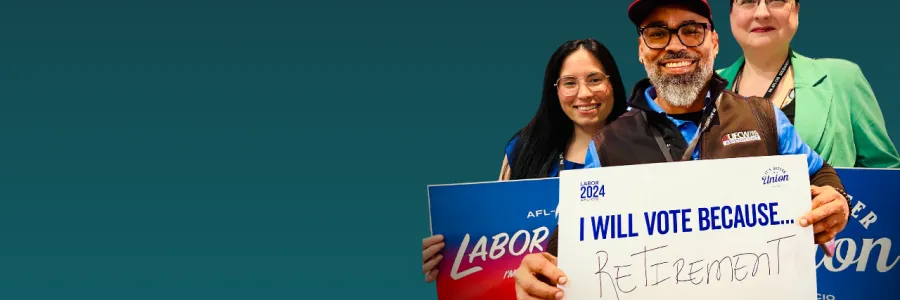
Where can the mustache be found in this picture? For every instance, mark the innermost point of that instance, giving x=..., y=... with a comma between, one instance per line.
x=683, y=54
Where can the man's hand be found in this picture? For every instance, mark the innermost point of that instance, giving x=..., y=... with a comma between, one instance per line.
x=529, y=287
x=828, y=215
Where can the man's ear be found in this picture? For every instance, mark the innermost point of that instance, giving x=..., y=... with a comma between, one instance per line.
x=640, y=51
x=715, y=43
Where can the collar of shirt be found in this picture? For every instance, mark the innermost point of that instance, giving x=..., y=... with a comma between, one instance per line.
x=650, y=95
x=687, y=128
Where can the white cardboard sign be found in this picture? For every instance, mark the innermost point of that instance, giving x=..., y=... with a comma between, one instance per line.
x=709, y=229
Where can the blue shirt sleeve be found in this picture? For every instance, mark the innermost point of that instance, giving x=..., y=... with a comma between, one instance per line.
x=789, y=142
x=592, y=159
x=509, y=151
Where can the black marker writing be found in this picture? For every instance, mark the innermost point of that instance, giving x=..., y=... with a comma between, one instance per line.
x=696, y=271
x=645, y=261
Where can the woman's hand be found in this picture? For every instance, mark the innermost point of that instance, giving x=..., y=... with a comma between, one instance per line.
x=430, y=257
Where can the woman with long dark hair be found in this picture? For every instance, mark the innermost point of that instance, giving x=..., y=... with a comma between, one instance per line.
x=582, y=92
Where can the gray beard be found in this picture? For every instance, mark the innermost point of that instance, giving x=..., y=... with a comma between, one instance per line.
x=683, y=89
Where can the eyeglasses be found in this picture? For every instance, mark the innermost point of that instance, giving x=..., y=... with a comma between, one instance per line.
x=569, y=86
x=748, y=5
x=658, y=37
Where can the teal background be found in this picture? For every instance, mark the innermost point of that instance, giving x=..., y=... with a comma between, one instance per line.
x=279, y=149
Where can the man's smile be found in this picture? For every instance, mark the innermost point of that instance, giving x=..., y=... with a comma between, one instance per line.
x=678, y=66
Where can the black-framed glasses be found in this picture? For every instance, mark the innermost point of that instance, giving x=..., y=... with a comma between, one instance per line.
x=748, y=5
x=658, y=36
x=569, y=85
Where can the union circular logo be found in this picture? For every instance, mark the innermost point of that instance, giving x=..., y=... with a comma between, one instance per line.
x=774, y=175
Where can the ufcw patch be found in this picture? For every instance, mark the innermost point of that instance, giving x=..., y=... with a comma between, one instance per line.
x=740, y=137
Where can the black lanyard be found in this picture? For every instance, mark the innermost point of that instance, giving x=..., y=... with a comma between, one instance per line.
x=775, y=82
x=688, y=154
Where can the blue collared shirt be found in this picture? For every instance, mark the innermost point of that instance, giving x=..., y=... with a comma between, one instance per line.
x=789, y=141
x=688, y=129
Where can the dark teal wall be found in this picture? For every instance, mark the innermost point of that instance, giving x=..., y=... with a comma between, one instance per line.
x=279, y=150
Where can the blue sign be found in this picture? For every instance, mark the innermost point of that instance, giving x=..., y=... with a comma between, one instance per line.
x=863, y=264
x=488, y=228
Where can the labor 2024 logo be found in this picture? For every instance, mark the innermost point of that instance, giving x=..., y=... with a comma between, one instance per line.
x=774, y=176
x=592, y=190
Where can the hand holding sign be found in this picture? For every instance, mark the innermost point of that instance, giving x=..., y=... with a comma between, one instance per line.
x=830, y=213
x=431, y=246
x=528, y=286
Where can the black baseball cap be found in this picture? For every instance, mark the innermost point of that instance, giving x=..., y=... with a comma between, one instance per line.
x=640, y=9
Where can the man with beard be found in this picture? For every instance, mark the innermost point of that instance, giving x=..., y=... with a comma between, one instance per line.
x=683, y=112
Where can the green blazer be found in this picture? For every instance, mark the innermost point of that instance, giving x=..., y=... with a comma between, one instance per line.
x=836, y=112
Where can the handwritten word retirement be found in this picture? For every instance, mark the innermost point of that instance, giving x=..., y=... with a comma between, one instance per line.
x=653, y=267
